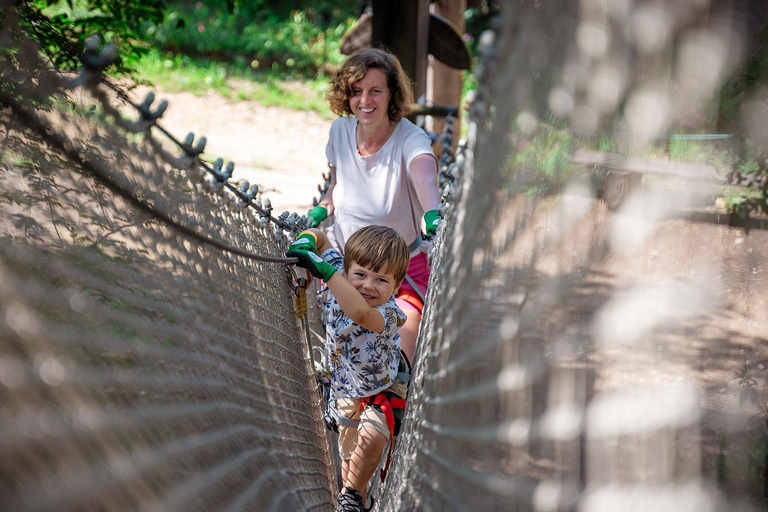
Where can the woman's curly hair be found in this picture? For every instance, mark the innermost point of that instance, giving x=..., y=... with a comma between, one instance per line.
x=354, y=69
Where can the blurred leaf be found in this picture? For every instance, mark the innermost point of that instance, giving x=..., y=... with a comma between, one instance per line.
x=25, y=222
x=763, y=202
x=62, y=38
x=748, y=394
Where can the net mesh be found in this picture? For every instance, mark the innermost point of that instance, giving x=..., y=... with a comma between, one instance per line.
x=141, y=368
x=571, y=356
x=575, y=356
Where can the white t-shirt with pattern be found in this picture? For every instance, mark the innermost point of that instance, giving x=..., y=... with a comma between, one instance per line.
x=362, y=362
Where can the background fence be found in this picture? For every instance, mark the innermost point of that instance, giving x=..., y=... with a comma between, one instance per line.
x=571, y=356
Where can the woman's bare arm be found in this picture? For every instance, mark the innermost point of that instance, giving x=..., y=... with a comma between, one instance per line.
x=423, y=171
x=327, y=199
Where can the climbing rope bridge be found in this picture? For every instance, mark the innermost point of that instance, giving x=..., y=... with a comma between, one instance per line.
x=151, y=357
x=571, y=357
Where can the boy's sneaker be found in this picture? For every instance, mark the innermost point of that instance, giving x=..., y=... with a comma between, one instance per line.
x=350, y=501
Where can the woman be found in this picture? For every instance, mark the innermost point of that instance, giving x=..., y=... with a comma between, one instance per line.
x=383, y=169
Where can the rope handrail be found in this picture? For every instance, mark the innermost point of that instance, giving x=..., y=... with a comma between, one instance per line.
x=91, y=75
x=94, y=61
x=243, y=193
x=61, y=144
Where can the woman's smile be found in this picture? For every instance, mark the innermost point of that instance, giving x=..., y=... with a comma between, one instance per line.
x=370, y=98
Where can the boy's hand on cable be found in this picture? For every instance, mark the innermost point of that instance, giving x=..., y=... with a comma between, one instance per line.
x=317, y=215
x=312, y=262
x=431, y=222
x=306, y=241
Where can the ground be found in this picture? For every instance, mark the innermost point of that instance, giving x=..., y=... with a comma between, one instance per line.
x=280, y=149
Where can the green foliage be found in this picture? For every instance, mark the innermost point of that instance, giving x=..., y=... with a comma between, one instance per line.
x=61, y=27
x=297, y=42
x=542, y=159
x=754, y=393
x=750, y=393
x=469, y=83
x=710, y=153
x=607, y=144
x=743, y=203
x=477, y=20
x=324, y=12
x=693, y=151
x=757, y=469
x=721, y=462
x=740, y=202
x=741, y=86
x=294, y=38
x=176, y=73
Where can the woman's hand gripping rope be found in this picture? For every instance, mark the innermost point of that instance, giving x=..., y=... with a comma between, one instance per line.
x=317, y=214
x=431, y=222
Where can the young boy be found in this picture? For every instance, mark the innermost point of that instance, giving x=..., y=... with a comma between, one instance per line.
x=362, y=342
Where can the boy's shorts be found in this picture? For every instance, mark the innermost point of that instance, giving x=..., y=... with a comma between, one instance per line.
x=369, y=417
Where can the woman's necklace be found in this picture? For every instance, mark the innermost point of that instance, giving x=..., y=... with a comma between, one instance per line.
x=367, y=149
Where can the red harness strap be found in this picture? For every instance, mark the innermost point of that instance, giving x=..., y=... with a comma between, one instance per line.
x=386, y=405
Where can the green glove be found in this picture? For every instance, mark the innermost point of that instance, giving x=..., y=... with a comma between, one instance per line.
x=318, y=214
x=304, y=242
x=314, y=263
x=431, y=221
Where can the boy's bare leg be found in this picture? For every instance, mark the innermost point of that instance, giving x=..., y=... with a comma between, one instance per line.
x=344, y=471
x=365, y=459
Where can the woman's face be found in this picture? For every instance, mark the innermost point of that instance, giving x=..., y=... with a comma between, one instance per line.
x=370, y=98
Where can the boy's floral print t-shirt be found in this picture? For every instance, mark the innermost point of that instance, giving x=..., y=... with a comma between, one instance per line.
x=362, y=362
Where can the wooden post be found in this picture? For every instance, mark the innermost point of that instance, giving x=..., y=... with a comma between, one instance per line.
x=402, y=27
x=444, y=83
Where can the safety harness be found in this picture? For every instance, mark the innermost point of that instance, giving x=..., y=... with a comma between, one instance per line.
x=387, y=403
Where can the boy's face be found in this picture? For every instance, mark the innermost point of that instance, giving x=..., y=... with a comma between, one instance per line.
x=375, y=287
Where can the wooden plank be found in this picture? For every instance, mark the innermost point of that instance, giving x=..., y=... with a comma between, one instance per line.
x=446, y=44
x=402, y=27
x=666, y=167
x=445, y=83
x=444, y=41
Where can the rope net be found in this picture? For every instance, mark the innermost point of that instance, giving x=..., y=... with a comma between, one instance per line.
x=572, y=356
x=141, y=367
x=576, y=357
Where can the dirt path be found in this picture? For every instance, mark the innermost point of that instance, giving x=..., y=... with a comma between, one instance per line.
x=280, y=149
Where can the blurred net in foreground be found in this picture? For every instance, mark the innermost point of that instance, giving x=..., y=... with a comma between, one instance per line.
x=575, y=357
x=572, y=357
x=140, y=368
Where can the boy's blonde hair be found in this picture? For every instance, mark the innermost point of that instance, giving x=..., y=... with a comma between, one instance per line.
x=376, y=247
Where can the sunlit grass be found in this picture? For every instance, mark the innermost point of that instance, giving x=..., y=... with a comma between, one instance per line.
x=178, y=73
